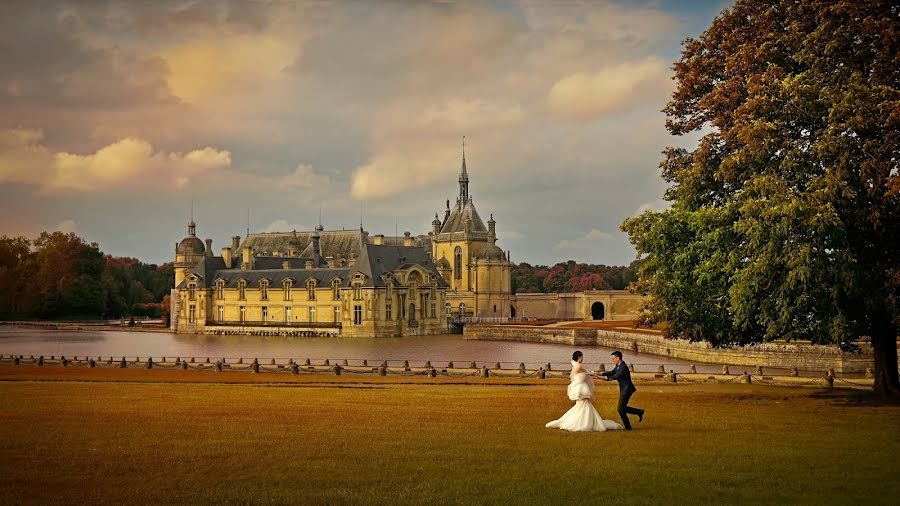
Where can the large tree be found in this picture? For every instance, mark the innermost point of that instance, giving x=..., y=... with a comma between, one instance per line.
x=784, y=218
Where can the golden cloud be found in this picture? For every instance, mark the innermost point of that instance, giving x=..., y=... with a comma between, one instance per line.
x=613, y=89
x=129, y=162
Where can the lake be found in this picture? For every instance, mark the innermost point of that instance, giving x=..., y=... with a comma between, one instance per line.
x=443, y=348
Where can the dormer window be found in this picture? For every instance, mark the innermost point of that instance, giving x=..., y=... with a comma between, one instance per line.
x=311, y=289
x=335, y=289
x=264, y=289
x=286, y=286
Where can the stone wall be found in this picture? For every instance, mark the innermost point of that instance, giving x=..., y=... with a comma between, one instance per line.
x=804, y=357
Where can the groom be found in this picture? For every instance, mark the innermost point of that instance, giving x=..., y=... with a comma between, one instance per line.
x=626, y=388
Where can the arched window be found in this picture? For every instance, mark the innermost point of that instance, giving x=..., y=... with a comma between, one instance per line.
x=286, y=285
x=242, y=286
x=220, y=289
x=335, y=289
x=414, y=279
x=457, y=263
x=311, y=289
x=263, y=289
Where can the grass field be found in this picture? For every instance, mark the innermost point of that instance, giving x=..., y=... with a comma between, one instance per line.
x=161, y=436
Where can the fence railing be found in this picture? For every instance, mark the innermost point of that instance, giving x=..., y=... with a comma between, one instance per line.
x=274, y=323
x=467, y=368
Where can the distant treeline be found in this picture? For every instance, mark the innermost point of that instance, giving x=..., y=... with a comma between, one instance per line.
x=59, y=275
x=570, y=276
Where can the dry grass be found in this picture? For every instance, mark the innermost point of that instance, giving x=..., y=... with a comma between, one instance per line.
x=135, y=436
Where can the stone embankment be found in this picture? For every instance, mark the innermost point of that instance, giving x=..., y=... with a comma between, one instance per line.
x=777, y=355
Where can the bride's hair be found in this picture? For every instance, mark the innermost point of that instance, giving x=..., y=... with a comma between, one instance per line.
x=577, y=355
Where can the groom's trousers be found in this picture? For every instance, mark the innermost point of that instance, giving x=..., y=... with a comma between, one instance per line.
x=625, y=409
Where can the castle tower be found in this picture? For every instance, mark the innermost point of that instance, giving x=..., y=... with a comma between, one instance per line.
x=188, y=252
x=468, y=258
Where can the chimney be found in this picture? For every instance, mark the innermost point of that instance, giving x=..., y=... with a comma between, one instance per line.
x=378, y=240
x=351, y=262
x=331, y=263
x=446, y=213
x=316, y=247
x=247, y=263
x=235, y=243
x=209, y=248
x=408, y=241
x=226, y=256
x=285, y=265
x=308, y=264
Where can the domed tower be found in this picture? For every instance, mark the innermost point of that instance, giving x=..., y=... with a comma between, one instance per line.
x=492, y=283
x=188, y=253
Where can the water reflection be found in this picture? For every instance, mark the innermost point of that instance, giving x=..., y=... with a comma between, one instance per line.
x=438, y=349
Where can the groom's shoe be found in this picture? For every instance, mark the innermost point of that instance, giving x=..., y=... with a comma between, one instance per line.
x=641, y=416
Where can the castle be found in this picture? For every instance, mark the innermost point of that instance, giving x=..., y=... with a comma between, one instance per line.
x=346, y=283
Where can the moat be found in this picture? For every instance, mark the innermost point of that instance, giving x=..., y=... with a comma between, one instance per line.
x=30, y=341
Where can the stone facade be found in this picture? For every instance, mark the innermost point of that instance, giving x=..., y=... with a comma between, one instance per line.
x=362, y=290
x=589, y=305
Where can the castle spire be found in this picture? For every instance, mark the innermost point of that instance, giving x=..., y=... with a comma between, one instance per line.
x=463, y=176
x=192, y=227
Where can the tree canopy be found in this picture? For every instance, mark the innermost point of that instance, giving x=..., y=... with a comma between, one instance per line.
x=59, y=275
x=569, y=276
x=784, y=218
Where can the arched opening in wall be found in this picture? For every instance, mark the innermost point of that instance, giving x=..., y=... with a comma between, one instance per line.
x=512, y=311
x=598, y=311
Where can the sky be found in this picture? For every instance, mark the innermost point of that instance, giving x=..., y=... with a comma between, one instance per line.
x=116, y=118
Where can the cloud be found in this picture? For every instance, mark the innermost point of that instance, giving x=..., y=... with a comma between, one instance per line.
x=612, y=89
x=656, y=205
x=304, y=178
x=283, y=226
x=67, y=226
x=129, y=162
x=594, y=236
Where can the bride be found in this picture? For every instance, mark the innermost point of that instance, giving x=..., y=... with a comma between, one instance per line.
x=582, y=417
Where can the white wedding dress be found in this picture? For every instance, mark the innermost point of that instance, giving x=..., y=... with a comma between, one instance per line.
x=582, y=417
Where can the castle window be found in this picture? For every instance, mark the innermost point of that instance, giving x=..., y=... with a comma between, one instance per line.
x=286, y=285
x=221, y=313
x=263, y=289
x=335, y=289
x=336, y=314
x=192, y=314
x=242, y=287
x=265, y=313
x=287, y=314
x=192, y=291
x=243, y=314
x=312, y=314
x=220, y=289
x=357, y=290
x=311, y=289
x=433, y=310
x=387, y=311
x=457, y=263
x=357, y=314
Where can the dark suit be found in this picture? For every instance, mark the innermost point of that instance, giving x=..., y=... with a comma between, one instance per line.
x=622, y=374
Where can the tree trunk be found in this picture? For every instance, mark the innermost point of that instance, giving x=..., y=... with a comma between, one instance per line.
x=884, y=343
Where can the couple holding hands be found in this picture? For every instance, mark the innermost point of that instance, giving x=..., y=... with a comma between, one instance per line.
x=583, y=417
